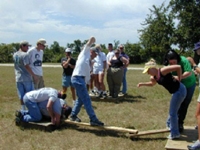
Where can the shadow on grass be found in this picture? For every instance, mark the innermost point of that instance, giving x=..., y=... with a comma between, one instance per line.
x=50, y=128
x=148, y=139
x=127, y=98
x=93, y=130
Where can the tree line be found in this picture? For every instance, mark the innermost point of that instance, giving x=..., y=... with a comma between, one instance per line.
x=173, y=26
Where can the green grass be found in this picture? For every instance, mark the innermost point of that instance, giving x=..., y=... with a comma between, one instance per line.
x=144, y=108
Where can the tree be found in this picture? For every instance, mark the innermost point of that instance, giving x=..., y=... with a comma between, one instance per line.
x=186, y=13
x=157, y=35
x=7, y=51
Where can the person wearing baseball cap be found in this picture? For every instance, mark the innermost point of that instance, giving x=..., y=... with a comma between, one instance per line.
x=23, y=73
x=196, y=144
x=68, y=63
x=36, y=58
x=164, y=77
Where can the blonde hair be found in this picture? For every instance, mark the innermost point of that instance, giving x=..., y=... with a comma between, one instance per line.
x=151, y=62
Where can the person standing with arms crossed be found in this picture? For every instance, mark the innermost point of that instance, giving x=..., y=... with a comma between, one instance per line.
x=36, y=58
x=68, y=64
x=124, y=83
x=80, y=77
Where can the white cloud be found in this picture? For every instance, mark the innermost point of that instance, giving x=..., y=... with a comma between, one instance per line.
x=65, y=20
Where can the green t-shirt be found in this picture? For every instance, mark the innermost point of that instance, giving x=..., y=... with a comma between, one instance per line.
x=186, y=67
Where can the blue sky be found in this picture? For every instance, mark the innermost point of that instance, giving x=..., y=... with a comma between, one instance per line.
x=67, y=20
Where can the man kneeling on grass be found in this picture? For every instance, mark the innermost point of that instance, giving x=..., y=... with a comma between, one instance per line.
x=36, y=101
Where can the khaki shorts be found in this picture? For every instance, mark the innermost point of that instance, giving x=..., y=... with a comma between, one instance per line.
x=40, y=83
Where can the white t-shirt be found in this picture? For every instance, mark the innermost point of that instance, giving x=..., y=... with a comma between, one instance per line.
x=99, y=61
x=109, y=57
x=42, y=95
x=36, y=58
x=82, y=67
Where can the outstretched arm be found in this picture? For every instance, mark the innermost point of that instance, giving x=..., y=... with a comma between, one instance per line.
x=152, y=82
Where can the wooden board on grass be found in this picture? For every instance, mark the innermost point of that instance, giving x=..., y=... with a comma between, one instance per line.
x=43, y=125
x=149, y=132
x=111, y=128
x=188, y=136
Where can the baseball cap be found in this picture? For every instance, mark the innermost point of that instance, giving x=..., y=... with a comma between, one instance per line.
x=24, y=43
x=68, y=50
x=148, y=65
x=196, y=46
x=94, y=49
x=42, y=41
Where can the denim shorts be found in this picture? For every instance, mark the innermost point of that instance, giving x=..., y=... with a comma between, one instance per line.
x=66, y=81
x=23, y=88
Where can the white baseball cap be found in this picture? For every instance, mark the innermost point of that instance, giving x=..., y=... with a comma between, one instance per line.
x=68, y=50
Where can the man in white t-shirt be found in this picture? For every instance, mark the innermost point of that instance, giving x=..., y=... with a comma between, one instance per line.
x=36, y=58
x=31, y=100
x=80, y=77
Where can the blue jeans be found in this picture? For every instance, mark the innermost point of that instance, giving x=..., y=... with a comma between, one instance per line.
x=184, y=106
x=175, y=103
x=34, y=113
x=79, y=84
x=124, y=83
x=23, y=88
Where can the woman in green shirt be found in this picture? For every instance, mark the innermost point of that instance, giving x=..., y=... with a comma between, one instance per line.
x=188, y=79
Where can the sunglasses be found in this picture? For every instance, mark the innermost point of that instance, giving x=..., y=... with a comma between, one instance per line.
x=116, y=53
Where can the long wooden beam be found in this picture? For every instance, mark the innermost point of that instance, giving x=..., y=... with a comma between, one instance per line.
x=148, y=132
x=112, y=128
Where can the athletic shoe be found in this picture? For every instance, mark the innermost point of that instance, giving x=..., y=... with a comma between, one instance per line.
x=74, y=118
x=195, y=146
x=104, y=95
x=96, y=123
x=173, y=137
x=18, y=118
x=18, y=114
x=100, y=95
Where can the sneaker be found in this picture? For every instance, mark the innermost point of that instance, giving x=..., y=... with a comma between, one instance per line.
x=195, y=146
x=96, y=123
x=173, y=137
x=104, y=95
x=74, y=118
x=100, y=95
x=18, y=114
x=92, y=93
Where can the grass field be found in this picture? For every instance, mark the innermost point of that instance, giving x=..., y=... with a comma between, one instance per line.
x=144, y=108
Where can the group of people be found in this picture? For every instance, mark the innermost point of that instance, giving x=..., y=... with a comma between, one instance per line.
x=39, y=100
x=178, y=77
x=113, y=65
x=42, y=101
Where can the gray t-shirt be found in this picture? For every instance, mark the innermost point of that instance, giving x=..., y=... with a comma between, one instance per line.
x=21, y=59
x=57, y=107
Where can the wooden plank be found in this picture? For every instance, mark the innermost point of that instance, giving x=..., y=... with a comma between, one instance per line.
x=188, y=136
x=111, y=128
x=149, y=132
x=43, y=125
